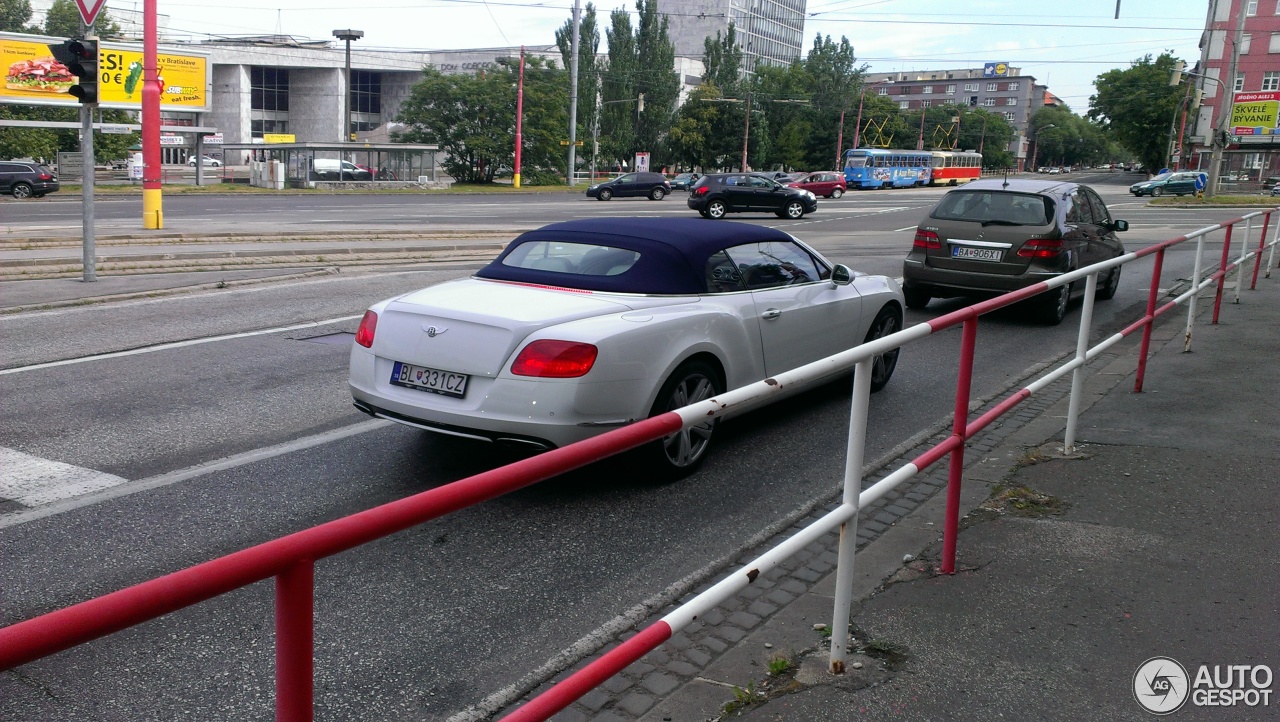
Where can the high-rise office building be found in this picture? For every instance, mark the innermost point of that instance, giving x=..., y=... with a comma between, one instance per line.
x=770, y=32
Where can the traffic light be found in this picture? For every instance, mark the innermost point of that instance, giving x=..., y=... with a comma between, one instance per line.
x=1176, y=76
x=81, y=59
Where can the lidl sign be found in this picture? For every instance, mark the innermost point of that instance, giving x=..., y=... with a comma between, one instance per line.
x=1256, y=114
x=187, y=75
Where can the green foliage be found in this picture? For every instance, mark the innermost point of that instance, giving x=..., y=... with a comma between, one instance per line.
x=63, y=21
x=472, y=118
x=618, y=91
x=1072, y=140
x=722, y=59
x=1137, y=107
x=14, y=16
x=44, y=143
x=778, y=665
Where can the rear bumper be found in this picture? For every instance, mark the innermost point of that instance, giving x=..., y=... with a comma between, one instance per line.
x=945, y=283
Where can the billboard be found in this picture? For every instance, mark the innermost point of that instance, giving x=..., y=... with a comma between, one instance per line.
x=1256, y=114
x=33, y=77
x=995, y=70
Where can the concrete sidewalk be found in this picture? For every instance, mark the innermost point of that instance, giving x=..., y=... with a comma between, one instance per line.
x=1158, y=540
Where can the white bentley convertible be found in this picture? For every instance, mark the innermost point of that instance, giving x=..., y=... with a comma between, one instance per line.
x=584, y=326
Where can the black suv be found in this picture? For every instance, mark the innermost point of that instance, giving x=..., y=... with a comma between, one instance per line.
x=21, y=179
x=653, y=186
x=721, y=193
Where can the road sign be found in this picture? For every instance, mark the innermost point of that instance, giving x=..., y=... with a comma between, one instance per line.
x=577, y=143
x=111, y=129
x=89, y=9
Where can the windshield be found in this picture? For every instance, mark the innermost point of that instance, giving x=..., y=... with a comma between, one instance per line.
x=1163, y=176
x=856, y=161
x=995, y=207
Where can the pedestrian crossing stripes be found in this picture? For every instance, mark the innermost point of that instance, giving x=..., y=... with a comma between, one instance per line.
x=32, y=481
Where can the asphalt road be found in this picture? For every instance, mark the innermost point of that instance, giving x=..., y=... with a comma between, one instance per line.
x=240, y=432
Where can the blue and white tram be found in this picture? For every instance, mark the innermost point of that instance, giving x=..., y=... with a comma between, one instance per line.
x=887, y=168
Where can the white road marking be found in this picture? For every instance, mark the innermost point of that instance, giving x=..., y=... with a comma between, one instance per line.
x=33, y=481
x=908, y=228
x=177, y=344
x=125, y=487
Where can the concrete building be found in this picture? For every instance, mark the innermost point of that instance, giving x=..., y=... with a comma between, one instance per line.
x=995, y=87
x=1256, y=153
x=770, y=32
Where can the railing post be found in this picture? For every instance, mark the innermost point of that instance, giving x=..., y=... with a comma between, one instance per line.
x=1191, y=302
x=1222, y=272
x=955, y=471
x=853, y=460
x=295, y=642
x=1244, y=251
x=1271, y=255
x=1150, y=320
x=1077, y=374
x=1262, y=243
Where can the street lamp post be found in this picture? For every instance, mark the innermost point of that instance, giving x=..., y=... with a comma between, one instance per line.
x=347, y=36
x=515, y=166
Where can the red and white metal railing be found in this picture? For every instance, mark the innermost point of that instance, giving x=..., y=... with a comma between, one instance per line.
x=844, y=517
x=291, y=559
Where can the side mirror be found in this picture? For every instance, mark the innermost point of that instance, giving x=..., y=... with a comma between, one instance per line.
x=1120, y=226
x=841, y=275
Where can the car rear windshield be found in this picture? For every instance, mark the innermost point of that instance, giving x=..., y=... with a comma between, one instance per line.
x=995, y=207
x=567, y=257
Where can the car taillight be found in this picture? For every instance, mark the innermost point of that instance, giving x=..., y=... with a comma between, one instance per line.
x=368, y=326
x=555, y=359
x=45, y=177
x=926, y=240
x=701, y=191
x=1040, y=248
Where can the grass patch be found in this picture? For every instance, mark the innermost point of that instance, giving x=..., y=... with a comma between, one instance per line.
x=779, y=665
x=1219, y=200
x=744, y=697
x=1023, y=501
x=241, y=189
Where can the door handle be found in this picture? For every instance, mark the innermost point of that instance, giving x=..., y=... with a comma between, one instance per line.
x=771, y=314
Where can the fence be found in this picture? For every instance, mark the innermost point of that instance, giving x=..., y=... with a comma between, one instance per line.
x=290, y=559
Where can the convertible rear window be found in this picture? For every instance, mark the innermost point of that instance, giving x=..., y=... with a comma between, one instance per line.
x=991, y=206
x=567, y=257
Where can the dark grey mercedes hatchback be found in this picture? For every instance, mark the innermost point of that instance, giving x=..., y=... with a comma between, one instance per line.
x=994, y=236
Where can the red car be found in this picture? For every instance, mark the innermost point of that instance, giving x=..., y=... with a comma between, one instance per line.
x=828, y=184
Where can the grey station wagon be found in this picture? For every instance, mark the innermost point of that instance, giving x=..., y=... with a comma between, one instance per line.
x=992, y=236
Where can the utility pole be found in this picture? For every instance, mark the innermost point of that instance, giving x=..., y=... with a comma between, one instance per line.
x=746, y=133
x=515, y=168
x=857, y=124
x=1227, y=105
x=573, y=93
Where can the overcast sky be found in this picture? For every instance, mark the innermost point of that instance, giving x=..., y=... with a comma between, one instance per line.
x=1063, y=44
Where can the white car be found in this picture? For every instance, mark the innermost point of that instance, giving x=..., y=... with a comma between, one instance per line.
x=204, y=160
x=585, y=326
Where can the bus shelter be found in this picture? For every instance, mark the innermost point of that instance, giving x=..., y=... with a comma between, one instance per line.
x=310, y=163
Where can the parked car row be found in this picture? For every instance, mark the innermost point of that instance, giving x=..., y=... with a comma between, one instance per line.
x=789, y=195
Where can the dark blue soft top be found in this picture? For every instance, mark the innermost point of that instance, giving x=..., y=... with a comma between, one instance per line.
x=673, y=252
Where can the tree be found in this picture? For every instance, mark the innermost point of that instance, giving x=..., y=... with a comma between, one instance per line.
x=472, y=119
x=1137, y=106
x=14, y=16
x=617, y=89
x=656, y=78
x=63, y=21
x=722, y=61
